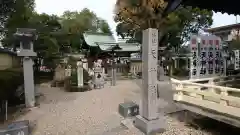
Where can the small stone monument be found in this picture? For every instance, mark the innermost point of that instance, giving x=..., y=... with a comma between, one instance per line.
x=59, y=73
x=80, y=73
x=68, y=71
x=98, y=75
x=26, y=38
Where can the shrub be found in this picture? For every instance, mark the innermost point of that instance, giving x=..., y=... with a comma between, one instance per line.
x=180, y=72
x=86, y=76
x=10, y=80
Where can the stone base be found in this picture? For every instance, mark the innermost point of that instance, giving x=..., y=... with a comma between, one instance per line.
x=150, y=127
x=128, y=109
x=128, y=122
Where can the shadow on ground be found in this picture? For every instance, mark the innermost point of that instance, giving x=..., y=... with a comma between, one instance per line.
x=216, y=127
x=203, y=123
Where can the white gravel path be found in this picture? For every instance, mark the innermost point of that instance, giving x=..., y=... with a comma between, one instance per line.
x=91, y=113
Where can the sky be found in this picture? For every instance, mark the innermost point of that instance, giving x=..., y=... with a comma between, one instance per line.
x=105, y=8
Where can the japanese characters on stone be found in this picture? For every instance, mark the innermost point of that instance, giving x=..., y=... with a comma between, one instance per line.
x=194, y=57
x=207, y=59
x=211, y=58
x=236, y=60
x=219, y=60
x=153, y=57
x=203, y=56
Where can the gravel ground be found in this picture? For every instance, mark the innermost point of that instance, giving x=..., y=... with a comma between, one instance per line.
x=94, y=112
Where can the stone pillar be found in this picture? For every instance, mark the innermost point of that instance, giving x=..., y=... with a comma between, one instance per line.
x=113, y=73
x=175, y=63
x=28, y=82
x=186, y=59
x=148, y=121
x=80, y=73
x=134, y=70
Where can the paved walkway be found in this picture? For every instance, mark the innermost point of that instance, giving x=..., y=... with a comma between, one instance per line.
x=93, y=112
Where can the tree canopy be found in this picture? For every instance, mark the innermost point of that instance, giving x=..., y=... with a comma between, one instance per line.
x=17, y=9
x=54, y=32
x=74, y=24
x=134, y=16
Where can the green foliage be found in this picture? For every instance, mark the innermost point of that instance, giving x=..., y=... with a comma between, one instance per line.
x=16, y=17
x=104, y=27
x=10, y=80
x=234, y=45
x=24, y=17
x=11, y=8
x=76, y=23
x=180, y=72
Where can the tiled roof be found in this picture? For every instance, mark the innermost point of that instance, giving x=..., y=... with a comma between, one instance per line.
x=132, y=47
x=93, y=38
x=226, y=27
x=125, y=47
x=105, y=42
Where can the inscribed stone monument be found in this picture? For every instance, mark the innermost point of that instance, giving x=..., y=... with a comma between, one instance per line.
x=148, y=121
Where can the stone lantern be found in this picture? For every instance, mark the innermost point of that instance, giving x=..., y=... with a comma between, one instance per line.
x=26, y=37
x=113, y=49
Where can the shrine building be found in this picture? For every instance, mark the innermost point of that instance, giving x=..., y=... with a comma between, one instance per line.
x=105, y=47
x=227, y=33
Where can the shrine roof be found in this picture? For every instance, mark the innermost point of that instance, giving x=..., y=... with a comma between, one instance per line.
x=223, y=28
x=92, y=39
x=105, y=42
x=224, y=6
x=131, y=47
x=125, y=47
